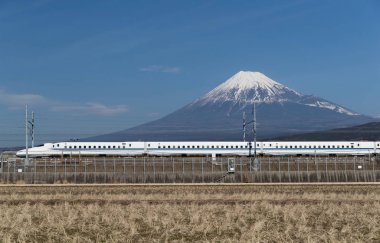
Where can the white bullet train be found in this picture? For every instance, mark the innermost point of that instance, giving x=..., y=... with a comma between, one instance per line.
x=202, y=148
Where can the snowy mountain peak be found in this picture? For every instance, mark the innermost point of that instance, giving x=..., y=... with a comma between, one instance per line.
x=249, y=80
x=246, y=87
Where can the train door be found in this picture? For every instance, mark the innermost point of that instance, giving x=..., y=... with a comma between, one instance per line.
x=145, y=147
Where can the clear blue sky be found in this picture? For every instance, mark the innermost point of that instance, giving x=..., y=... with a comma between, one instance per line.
x=92, y=67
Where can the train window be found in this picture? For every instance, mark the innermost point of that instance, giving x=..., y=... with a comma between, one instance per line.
x=148, y=145
x=53, y=146
x=203, y=146
x=276, y=146
x=104, y=147
x=118, y=146
x=123, y=146
x=328, y=146
x=246, y=146
x=208, y=146
x=164, y=146
x=217, y=146
x=159, y=146
x=84, y=146
x=130, y=145
x=75, y=147
x=352, y=146
x=113, y=146
x=281, y=146
x=99, y=146
x=178, y=146
x=212, y=146
x=169, y=146
x=183, y=146
x=295, y=146
x=65, y=146
x=358, y=145
x=241, y=146
x=290, y=146
x=270, y=145
x=286, y=146
x=70, y=147
x=109, y=147
x=58, y=145
x=333, y=146
x=193, y=146
x=324, y=146
x=197, y=146
x=80, y=147
x=223, y=146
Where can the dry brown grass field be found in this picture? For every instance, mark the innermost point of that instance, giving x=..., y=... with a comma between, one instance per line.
x=191, y=213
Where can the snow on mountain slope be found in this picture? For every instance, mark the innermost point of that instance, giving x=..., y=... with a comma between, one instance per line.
x=321, y=103
x=245, y=87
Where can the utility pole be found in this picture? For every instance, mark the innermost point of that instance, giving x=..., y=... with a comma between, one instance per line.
x=254, y=128
x=244, y=124
x=31, y=128
x=26, y=137
x=255, y=161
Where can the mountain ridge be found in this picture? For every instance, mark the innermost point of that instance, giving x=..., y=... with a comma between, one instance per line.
x=364, y=132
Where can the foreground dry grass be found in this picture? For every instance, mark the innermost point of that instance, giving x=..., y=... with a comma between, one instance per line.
x=232, y=213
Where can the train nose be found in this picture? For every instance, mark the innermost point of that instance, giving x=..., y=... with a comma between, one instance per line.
x=21, y=153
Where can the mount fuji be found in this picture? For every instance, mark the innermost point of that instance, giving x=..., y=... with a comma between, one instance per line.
x=218, y=114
